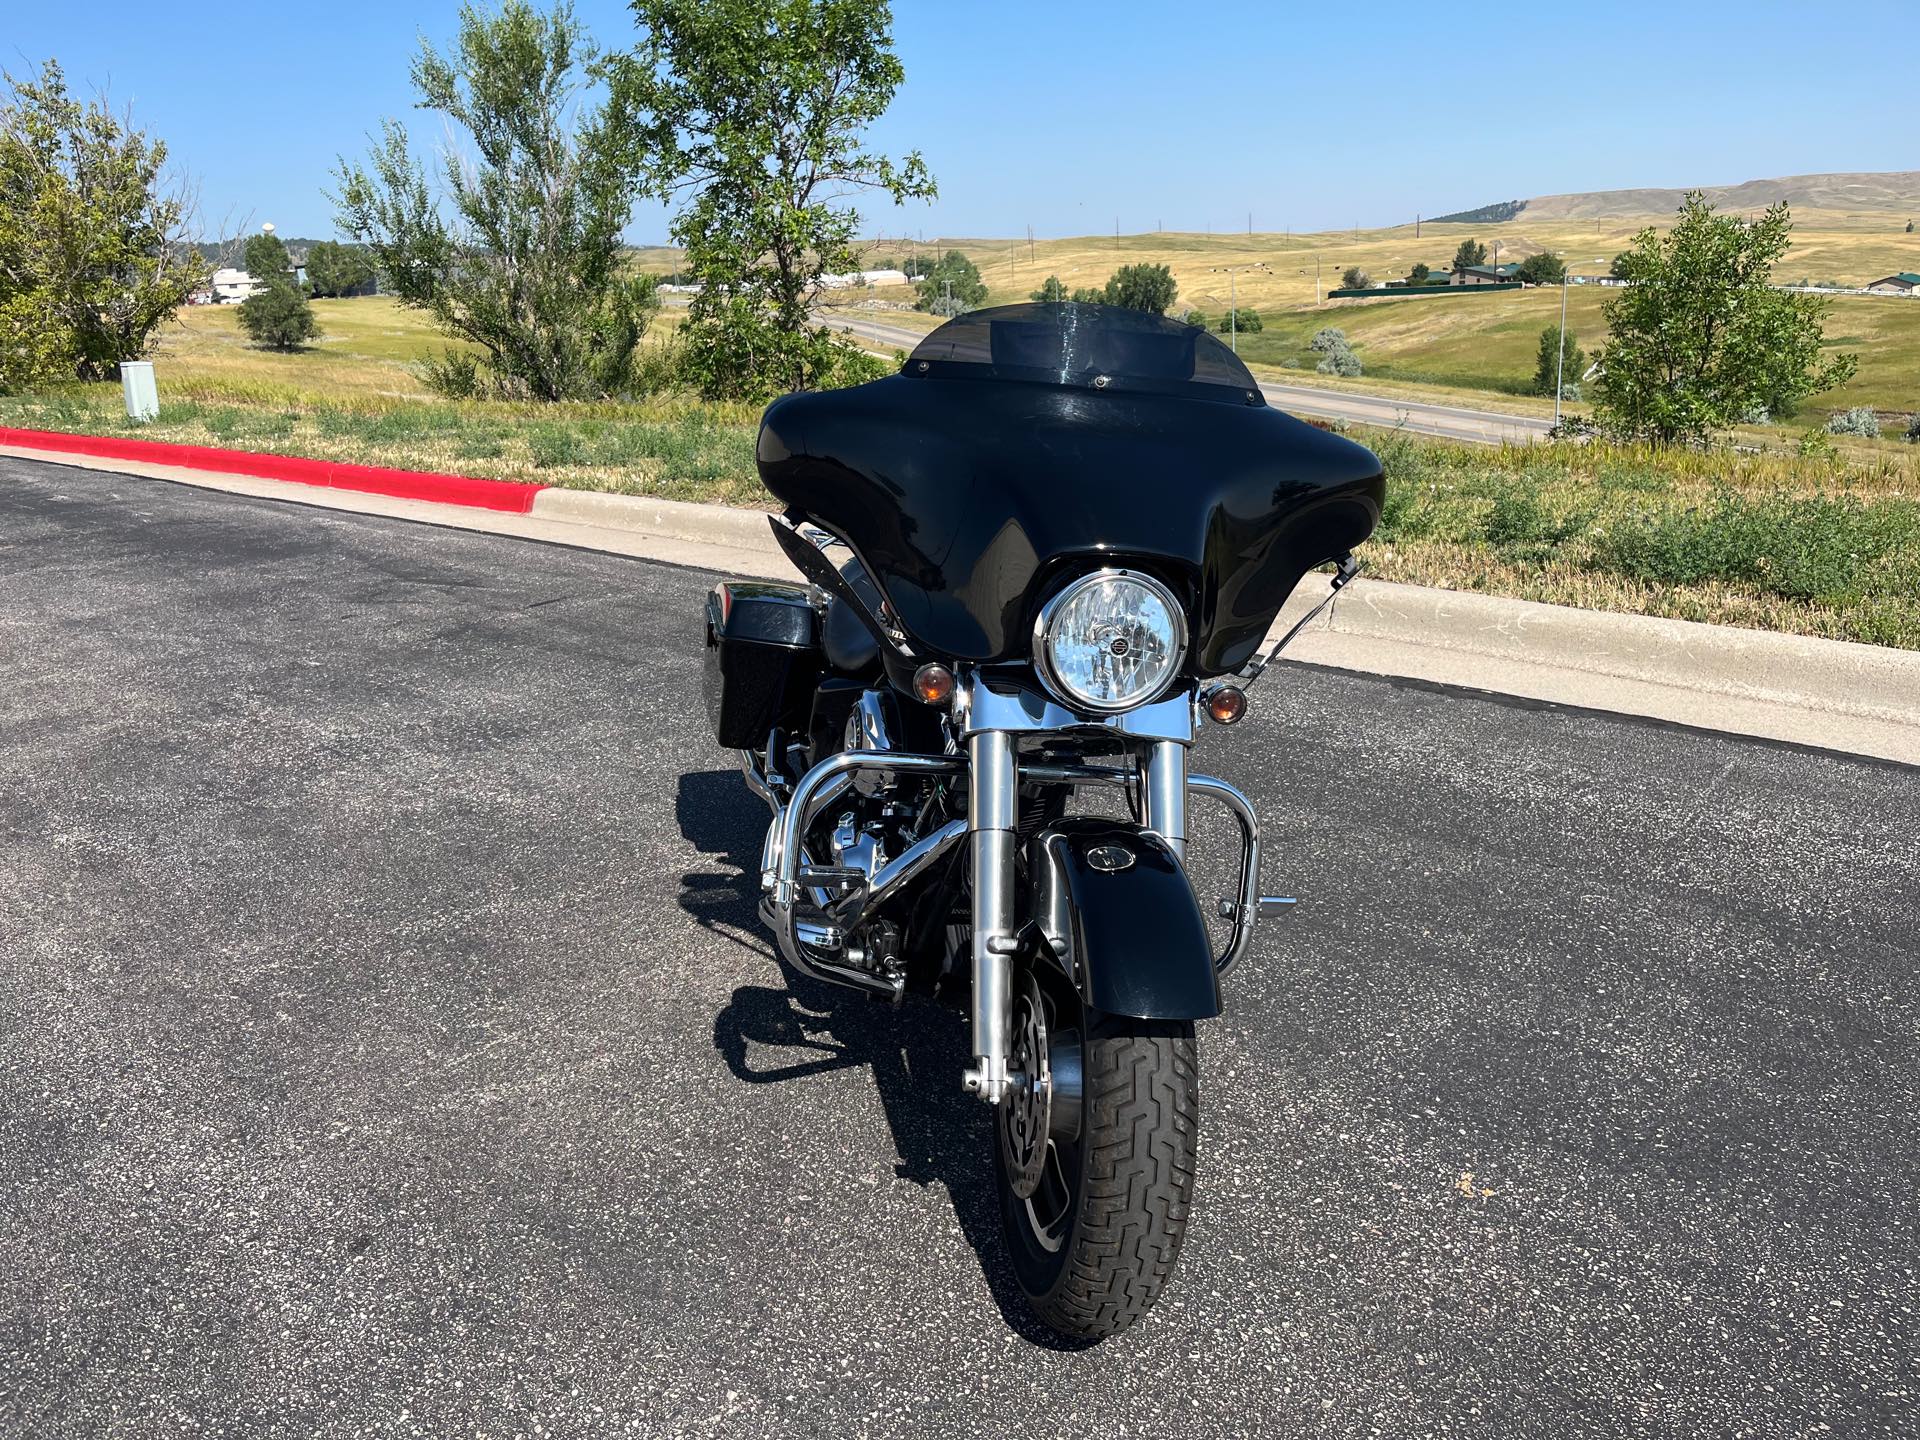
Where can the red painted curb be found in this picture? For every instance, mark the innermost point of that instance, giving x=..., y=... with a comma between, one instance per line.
x=510, y=496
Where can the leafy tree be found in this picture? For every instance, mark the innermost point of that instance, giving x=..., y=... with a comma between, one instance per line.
x=1354, y=278
x=94, y=247
x=1419, y=274
x=1052, y=291
x=1142, y=287
x=1242, y=320
x=1196, y=318
x=953, y=286
x=279, y=316
x=529, y=265
x=334, y=269
x=1470, y=253
x=1699, y=336
x=1546, y=268
x=1913, y=428
x=1617, y=268
x=266, y=258
x=1088, y=295
x=1551, y=368
x=761, y=107
x=1328, y=337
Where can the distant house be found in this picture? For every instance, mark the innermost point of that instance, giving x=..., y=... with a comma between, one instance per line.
x=1905, y=283
x=231, y=286
x=1487, y=275
x=860, y=279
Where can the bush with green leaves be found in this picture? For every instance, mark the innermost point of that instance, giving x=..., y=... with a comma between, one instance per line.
x=279, y=317
x=1339, y=361
x=1420, y=274
x=1142, y=287
x=1196, y=318
x=1546, y=268
x=1354, y=278
x=1913, y=429
x=334, y=270
x=1241, y=321
x=1052, y=291
x=1088, y=295
x=952, y=287
x=1860, y=420
x=1328, y=337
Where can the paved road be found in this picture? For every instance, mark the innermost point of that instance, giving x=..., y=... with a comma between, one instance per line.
x=1453, y=422
x=387, y=1048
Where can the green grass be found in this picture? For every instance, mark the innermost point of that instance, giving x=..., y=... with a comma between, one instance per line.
x=1821, y=544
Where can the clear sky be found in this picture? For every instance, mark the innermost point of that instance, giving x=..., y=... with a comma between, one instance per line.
x=1070, y=116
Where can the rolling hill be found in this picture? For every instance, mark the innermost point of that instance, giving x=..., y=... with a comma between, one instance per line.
x=1891, y=190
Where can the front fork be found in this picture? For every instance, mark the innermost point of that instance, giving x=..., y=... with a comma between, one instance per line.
x=993, y=813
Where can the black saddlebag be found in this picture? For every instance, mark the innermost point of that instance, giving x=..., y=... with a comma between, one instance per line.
x=763, y=661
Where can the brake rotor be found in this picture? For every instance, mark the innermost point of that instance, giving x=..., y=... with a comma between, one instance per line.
x=1027, y=1111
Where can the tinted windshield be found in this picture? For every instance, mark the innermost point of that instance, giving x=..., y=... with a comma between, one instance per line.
x=1096, y=346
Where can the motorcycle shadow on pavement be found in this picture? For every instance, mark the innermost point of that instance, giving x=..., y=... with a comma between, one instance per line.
x=915, y=1053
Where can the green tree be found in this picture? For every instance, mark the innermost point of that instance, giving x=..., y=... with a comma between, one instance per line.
x=334, y=269
x=1196, y=318
x=266, y=258
x=760, y=107
x=95, y=252
x=1419, y=274
x=1699, y=337
x=1052, y=291
x=1243, y=321
x=1355, y=279
x=1547, y=366
x=1142, y=287
x=1088, y=295
x=529, y=265
x=1546, y=268
x=952, y=287
x=279, y=316
x=1470, y=253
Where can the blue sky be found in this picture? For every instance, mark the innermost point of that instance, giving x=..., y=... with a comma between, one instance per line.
x=1070, y=116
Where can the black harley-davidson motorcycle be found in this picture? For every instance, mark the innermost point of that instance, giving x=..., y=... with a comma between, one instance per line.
x=1067, y=530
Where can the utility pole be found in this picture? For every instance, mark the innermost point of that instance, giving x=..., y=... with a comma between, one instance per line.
x=1416, y=227
x=1249, y=224
x=1316, y=282
x=1116, y=232
x=1029, y=242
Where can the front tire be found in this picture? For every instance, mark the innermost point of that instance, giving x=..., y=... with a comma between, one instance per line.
x=1096, y=1235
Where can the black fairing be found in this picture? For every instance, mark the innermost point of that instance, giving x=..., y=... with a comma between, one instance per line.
x=972, y=491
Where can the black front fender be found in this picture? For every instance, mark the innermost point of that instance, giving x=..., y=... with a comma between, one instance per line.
x=1117, y=916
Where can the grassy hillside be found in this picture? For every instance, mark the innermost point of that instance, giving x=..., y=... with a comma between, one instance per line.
x=1477, y=346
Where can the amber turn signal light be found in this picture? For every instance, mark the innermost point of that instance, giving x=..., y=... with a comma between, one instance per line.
x=1226, y=704
x=933, y=685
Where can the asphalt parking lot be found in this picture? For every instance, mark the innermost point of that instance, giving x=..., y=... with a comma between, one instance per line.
x=387, y=1046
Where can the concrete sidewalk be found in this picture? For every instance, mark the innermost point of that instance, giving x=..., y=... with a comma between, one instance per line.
x=1859, y=699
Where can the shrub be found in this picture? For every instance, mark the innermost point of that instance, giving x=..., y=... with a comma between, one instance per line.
x=1340, y=361
x=1052, y=291
x=1913, y=429
x=1355, y=278
x=1196, y=318
x=278, y=317
x=1858, y=421
x=952, y=276
x=1328, y=337
x=1246, y=321
x=1801, y=547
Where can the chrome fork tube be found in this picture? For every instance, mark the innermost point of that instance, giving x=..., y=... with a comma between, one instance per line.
x=992, y=805
x=1166, y=794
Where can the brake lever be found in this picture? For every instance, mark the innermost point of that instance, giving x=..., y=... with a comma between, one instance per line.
x=1345, y=568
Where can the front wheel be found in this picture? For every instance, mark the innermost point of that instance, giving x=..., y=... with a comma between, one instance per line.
x=1095, y=1160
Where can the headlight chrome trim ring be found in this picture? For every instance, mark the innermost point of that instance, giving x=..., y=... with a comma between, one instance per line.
x=1043, y=624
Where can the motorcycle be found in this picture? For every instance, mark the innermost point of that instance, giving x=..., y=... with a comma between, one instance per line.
x=1068, y=530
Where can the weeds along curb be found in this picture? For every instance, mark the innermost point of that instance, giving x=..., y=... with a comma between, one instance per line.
x=508, y=496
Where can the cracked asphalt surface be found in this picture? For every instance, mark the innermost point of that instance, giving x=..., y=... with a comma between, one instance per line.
x=387, y=1046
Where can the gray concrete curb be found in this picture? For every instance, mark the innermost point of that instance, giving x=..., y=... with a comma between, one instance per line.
x=1861, y=699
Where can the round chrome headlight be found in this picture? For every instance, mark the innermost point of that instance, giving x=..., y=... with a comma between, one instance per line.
x=1110, y=641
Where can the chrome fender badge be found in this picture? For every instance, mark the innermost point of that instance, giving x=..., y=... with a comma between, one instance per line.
x=1109, y=858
